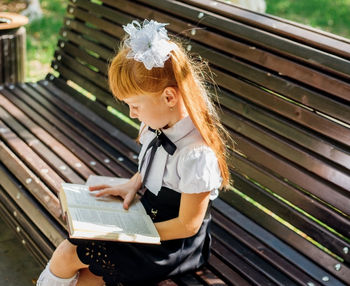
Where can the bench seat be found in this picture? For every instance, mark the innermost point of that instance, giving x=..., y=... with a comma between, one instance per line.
x=283, y=97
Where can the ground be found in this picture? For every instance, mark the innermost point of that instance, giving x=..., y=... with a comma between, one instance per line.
x=17, y=265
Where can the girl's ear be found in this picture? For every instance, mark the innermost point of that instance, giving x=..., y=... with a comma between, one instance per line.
x=171, y=96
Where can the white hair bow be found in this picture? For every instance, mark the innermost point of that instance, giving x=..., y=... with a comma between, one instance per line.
x=149, y=43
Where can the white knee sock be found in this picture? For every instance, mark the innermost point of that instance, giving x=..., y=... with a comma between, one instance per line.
x=47, y=278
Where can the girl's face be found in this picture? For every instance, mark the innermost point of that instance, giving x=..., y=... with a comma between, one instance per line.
x=152, y=110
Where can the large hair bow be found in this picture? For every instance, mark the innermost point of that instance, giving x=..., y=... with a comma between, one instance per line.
x=149, y=43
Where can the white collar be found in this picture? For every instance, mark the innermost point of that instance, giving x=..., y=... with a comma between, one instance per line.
x=176, y=132
x=180, y=129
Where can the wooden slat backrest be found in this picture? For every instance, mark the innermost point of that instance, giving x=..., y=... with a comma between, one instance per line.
x=284, y=97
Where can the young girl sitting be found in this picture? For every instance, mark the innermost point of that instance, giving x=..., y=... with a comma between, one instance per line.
x=181, y=167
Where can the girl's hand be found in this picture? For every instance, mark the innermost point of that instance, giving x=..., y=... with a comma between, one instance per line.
x=123, y=190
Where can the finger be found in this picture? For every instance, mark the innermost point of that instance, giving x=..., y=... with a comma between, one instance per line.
x=108, y=191
x=98, y=187
x=127, y=201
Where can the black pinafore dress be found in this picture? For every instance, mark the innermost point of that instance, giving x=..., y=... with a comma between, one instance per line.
x=143, y=264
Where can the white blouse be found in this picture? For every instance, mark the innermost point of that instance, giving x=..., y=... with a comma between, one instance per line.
x=193, y=168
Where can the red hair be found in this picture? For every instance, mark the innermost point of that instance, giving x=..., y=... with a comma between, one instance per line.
x=128, y=77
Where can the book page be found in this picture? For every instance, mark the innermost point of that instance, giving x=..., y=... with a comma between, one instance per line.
x=108, y=224
x=80, y=196
x=94, y=180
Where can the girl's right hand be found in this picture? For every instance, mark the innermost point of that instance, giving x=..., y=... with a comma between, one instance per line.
x=124, y=191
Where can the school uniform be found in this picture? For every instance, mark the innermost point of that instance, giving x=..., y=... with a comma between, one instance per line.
x=187, y=166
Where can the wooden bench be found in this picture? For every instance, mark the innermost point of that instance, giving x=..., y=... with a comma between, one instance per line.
x=284, y=97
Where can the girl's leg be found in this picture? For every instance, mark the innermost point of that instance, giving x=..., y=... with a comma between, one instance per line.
x=65, y=262
x=62, y=268
x=86, y=278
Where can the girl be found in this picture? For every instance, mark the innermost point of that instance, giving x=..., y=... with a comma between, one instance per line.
x=181, y=167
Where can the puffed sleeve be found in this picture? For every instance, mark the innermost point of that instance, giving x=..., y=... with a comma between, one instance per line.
x=199, y=171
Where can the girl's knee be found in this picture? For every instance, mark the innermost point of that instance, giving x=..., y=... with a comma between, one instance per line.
x=66, y=252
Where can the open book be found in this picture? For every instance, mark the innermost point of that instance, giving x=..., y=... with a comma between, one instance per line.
x=104, y=218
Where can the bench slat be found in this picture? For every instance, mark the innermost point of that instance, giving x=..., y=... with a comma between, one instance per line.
x=301, y=33
x=282, y=107
x=284, y=128
x=32, y=239
x=322, y=235
x=53, y=231
x=293, y=195
x=14, y=121
x=287, y=150
x=32, y=159
x=267, y=40
x=70, y=119
x=235, y=231
x=98, y=137
x=264, y=77
x=230, y=275
x=292, y=238
x=288, y=251
x=294, y=174
x=82, y=105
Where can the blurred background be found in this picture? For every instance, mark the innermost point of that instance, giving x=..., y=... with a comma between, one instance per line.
x=46, y=18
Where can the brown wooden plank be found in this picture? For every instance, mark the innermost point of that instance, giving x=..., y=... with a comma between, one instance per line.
x=35, y=163
x=96, y=145
x=275, y=43
x=292, y=174
x=229, y=274
x=291, y=30
x=106, y=26
x=260, y=248
x=26, y=239
x=267, y=79
x=313, y=229
x=293, y=239
x=285, y=108
x=95, y=159
x=23, y=223
x=289, y=151
x=237, y=261
x=75, y=161
x=46, y=225
x=97, y=111
x=82, y=55
x=71, y=36
x=36, y=143
x=92, y=110
x=33, y=183
x=102, y=38
x=118, y=145
x=76, y=75
x=286, y=129
x=279, y=246
x=209, y=277
x=95, y=77
x=317, y=209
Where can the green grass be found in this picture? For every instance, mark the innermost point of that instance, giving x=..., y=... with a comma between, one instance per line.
x=328, y=15
x=42, y=36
